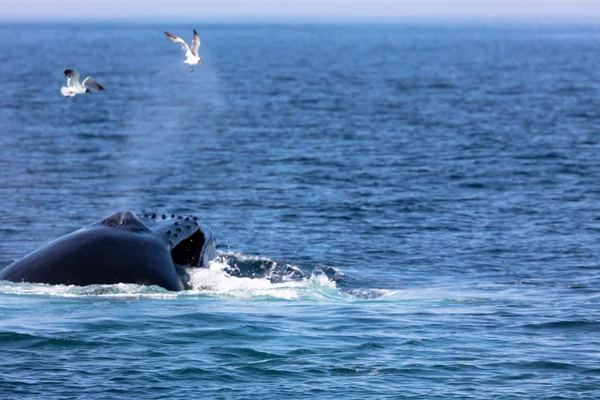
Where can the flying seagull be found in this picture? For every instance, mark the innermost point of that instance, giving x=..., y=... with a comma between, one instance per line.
x=74, y=87
x=191, y=53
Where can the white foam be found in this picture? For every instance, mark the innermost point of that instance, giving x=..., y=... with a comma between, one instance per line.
x=215, y=281
x=119, y=290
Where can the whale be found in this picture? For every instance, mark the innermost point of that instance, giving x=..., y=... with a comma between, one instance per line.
x=124, y=247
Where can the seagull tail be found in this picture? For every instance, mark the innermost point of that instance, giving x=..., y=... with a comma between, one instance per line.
x=66, y=92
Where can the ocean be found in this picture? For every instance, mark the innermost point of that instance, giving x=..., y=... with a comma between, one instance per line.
x=438, y=183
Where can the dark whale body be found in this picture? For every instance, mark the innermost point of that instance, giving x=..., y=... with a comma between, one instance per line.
x=122, y=248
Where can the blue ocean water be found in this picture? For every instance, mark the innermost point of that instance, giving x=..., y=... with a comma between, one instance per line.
x=448, y=173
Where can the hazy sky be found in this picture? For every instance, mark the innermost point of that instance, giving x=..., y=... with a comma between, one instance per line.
x=294, y=9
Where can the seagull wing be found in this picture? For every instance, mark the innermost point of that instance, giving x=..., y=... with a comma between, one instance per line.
x=73, y=77
x=195, y=43
x=89, y=82
x=179, y=40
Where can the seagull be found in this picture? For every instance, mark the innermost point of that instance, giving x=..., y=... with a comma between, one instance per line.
x=74, y=87
x=192, y=54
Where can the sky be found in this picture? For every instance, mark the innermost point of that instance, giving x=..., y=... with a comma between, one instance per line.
x=274, y=10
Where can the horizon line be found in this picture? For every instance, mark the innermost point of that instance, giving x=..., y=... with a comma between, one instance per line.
x=479, y=19
x=298, y=10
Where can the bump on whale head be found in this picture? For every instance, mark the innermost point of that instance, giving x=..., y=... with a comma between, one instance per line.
x=182, y=234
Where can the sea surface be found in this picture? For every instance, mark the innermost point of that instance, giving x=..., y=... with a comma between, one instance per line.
x=438, y=183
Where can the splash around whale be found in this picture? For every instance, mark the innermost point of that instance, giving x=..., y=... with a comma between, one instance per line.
x=122, y=248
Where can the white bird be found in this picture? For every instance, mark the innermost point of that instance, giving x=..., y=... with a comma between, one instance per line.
x=74, y=87
x=192, y=56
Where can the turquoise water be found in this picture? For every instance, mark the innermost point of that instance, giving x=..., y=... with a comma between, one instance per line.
x=438, y=185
